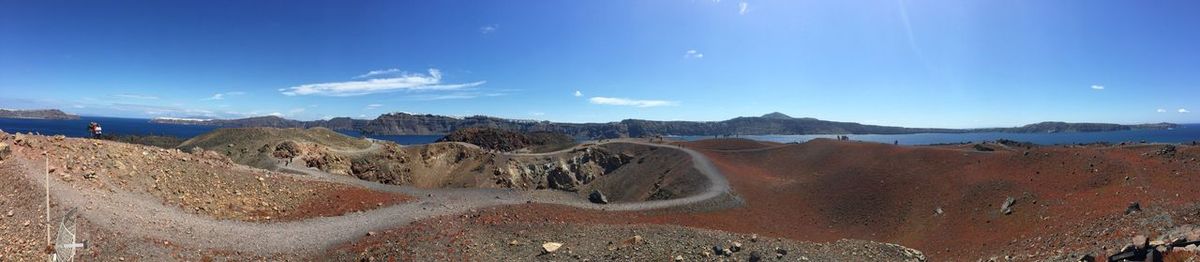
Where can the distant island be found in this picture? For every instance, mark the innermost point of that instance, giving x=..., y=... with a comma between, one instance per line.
x=769, y=124
x=37, y=114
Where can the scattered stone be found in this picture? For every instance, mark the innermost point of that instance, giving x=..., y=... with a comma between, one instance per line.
x=718, y=249
x=371, y=233
x=550, y=247
x=678, y=258
x=89, y=175
x=597, y=197
x=1133, y=207
x=753, y=237
x=9, y=214
x=514, y=242
x=1140, y=241
x=755, y=256
x=737, y=246
x=1168, y=150
x=1087, y=258
x=635, y=240
x=938, y=211
x=780, y=252
x=4, y=151
x=1007, y=207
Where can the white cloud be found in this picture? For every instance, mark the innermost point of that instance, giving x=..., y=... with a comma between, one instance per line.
x=454, y=95
x=296, y=111
x=136, y=96
x=693, y=54
x=219, y=96
x=1097, y=87
x=578, y=94
x=488, y=29
x=743, y=8
x=615, y=101
x=374, y=106
x=1160, y=110
x=405, y=81
x=381, y=72
x=537, y=113
x=1181, y=110
x=278, y=114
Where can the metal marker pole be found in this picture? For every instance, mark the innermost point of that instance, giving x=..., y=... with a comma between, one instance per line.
x=47, y=169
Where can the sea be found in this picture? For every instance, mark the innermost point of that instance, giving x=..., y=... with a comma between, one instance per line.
x=1186, y=133
x=136, y=126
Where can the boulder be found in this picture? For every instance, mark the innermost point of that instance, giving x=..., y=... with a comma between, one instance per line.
x=4, y=151
x=1007, y=207
x=1133, y=208
x=755, y=256
x=550, y=247
x=597, y=197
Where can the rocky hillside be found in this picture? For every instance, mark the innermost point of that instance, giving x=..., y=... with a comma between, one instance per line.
x=1063, y=127
x=257, y=146
x=508, y=141
x=37, y=114
x=769, y=124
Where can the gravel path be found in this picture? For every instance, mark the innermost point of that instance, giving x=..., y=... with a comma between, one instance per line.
x=144, y=216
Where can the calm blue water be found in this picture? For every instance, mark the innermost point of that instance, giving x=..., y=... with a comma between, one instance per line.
x=119, y=126
x=1184, y=134
x=133, y=126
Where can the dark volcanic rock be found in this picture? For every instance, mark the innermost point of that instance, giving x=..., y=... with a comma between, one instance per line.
x=505, y=140
x=597, y=197
x=1133, y=208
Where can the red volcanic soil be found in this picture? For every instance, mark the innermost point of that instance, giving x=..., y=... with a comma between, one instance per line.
x=341, y=200
x=730, y=144
x=1069, y=200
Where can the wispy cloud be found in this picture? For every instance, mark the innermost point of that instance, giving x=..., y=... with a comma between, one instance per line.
x=743, y=8
x=136, y=96
x=374, y=106
x=578, y=94
x=693, y=54
x=454, y=95
x=402, y=82
x=1160, y=110
x=381, y=72
x=488, y=29
x=219, y=96
x=616, y=101
x=1097, y=87
x=1181, y=110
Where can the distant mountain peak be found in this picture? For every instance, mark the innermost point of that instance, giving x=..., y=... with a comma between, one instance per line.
x=776, y=115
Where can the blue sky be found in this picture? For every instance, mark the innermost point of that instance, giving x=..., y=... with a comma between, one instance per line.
x=908, y=63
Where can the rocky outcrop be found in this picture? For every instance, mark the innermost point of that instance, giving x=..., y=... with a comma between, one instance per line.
x=563, y=173
x=505, y=140
x=37, y=114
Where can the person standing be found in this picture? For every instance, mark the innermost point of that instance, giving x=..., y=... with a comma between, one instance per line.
x=95, y=129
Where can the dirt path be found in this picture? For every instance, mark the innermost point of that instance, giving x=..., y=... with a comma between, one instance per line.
x=141, y=215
